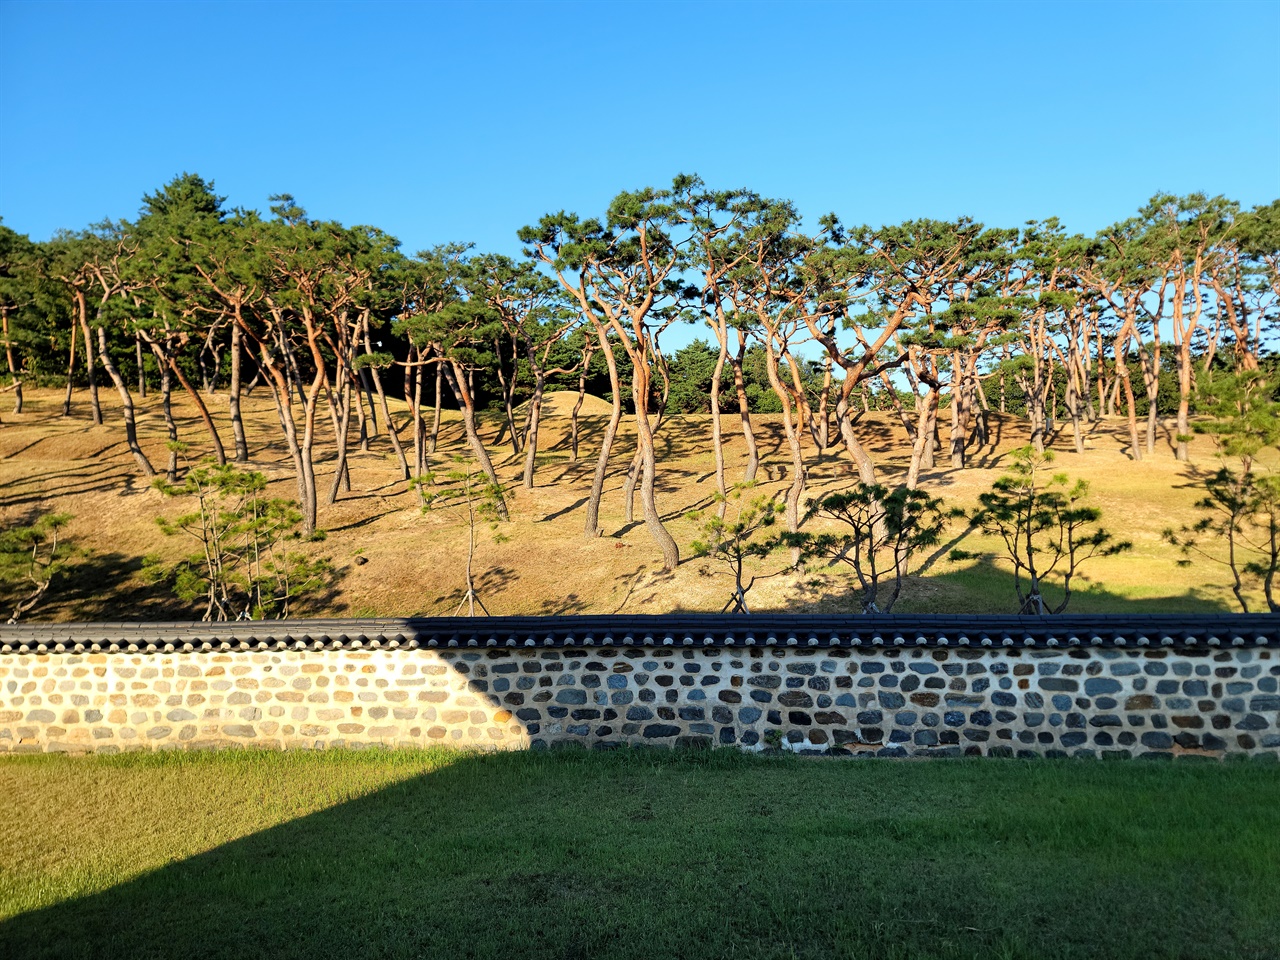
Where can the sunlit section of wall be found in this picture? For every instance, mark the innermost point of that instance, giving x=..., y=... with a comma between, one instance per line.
x=109, y=703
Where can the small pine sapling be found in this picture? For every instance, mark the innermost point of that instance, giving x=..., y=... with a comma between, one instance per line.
x=483, y=501
x=1240, y=530
x=1044, y=526
x=32, y=556
x=884, y=531
x=733, y=541
x=1244, y=521
x=242, y=569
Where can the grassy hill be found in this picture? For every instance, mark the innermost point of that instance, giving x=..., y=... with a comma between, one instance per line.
x=393, y=560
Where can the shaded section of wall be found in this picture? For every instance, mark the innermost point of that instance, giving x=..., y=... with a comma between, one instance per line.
x=886, y=702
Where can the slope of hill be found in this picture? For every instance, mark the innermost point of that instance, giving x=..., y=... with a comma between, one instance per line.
x=393, y=559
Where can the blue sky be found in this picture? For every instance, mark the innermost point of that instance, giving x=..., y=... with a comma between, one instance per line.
x=451, y=121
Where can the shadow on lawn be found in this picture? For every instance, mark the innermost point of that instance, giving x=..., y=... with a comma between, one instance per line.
x=985, y=586
x=706, y=855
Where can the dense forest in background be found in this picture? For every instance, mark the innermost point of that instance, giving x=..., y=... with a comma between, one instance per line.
x=1171, y=313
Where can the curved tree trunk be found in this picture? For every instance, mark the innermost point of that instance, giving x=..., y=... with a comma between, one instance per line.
x=644, y=437
x=219, y=453
x=591, y=527
x=862, y=459
x=82, y=309
x=1122, y=381
x=466, y=402
x=796, y=491
x=126, y=402
x=923, y=434
x=340, y=471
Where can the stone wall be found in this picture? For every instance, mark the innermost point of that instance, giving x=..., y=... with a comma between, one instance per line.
x=888, y=702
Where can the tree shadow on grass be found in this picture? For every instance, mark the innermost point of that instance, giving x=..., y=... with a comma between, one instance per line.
x=100, y=586
x=107, y=586
x=636, y=854
x=490, y=583
x=985, y=586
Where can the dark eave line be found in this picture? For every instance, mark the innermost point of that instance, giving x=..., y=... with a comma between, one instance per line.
x=802, y=631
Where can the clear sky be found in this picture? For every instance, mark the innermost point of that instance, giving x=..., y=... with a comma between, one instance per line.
x=463, y=121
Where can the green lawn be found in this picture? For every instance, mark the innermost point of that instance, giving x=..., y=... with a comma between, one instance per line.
x=634, y=854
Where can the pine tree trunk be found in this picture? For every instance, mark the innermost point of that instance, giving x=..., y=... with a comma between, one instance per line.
x=435, y=423
x=13, y=369
x=218, y=451
x=466, y=402
x=577, y=407
x=341, y=469
x=233, y=396
x=419, y=430
x=717, y=440
x=82, y=309
x=392, y=433
x=591, y=527
x=959, y=416
x=644, y=437
x=142, y=370
x=126, y=401
x=923, y=433
x=166, y=407
x=744, y=414
x=535, y=422
x=630, y=482
x=71, y=371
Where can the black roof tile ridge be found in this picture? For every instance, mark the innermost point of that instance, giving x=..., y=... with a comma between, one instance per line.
x=674, y=630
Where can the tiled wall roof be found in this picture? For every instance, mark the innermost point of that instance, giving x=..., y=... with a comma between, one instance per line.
x=672, y=630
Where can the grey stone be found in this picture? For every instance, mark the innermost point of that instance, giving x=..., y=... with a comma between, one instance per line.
x=1096, y=686
x=659, y=730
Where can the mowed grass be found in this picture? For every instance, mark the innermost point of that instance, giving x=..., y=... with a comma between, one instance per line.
x=634, y=854
x=392, y=559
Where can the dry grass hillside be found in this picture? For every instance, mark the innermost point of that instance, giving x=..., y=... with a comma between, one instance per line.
x=393, y=559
